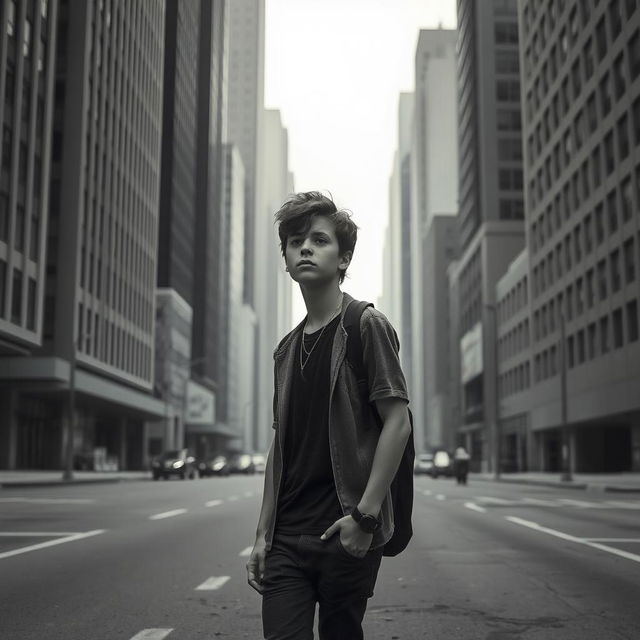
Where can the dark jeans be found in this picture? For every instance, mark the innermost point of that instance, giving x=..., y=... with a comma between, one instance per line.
x=303, y=570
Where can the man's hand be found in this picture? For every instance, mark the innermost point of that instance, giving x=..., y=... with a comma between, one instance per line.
x=255, y=566
x=354, y=540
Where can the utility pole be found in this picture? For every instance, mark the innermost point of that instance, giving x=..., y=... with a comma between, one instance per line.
x=564, y=423
x=497, y=430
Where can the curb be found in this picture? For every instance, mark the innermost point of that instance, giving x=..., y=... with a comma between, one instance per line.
x=39, y=484
x=583, y=486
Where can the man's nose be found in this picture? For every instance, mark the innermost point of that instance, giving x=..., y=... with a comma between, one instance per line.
x=306, y=247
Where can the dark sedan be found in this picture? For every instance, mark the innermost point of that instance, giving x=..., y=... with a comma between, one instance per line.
x=178, y=462
x=218, y=466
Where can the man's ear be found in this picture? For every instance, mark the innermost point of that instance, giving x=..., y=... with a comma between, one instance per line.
x=345, y=260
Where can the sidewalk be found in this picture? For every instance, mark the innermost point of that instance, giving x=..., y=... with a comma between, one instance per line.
x=605, y=482
x=27, y=479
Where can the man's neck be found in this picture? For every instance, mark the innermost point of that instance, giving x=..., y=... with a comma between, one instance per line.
x=321, y=305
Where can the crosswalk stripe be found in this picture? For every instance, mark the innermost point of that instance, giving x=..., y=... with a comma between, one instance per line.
x=152, y=634
x=213, y=583
x=167, y=514
x=213, y=503
x=246, y=552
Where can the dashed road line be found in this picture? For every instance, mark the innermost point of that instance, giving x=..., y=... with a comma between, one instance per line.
x=232, y=498
x=492, y=500
x=246, y=552
x=49, y=500
x=213, y=503
x=51, y=543
x=475, y=507
x=541, y=503
x=213, y=583
x=427, y=492
x=248, y=494
x=576, y=503
x=565, y=536
x=440, y=496
x=167, y=514
x=152, y=634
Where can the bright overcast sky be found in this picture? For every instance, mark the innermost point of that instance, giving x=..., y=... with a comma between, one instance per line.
x=335, y=69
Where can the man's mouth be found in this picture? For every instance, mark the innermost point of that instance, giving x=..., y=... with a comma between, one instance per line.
x=302, y=263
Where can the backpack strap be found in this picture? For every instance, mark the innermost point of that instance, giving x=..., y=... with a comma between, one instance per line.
x=352, y=317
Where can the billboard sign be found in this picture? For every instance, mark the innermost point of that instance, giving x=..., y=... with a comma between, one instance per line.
x=201, y=404
x=471, y=364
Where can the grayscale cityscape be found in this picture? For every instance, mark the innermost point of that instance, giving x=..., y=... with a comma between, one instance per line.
x=143, y=292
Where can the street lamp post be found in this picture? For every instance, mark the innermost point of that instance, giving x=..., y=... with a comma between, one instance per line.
x=497, y=431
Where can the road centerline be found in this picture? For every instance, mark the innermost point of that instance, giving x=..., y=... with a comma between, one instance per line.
x=152, y=634
x=213, y=583
x=51, y=543
x=167, y=514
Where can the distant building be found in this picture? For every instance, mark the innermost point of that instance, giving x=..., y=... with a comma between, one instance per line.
x=102, y=233
x=491, y=209
x=580, y=64
x=433, y=181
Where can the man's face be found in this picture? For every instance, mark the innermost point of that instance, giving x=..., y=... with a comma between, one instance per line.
x=313, y=257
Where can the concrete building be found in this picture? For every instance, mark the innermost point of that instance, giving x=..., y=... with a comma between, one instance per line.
x=491, y=211
x=581, y=63
x=97, y=328
x=433, y=180
x=514, y=366
x=273, y=290
x=246, y=106
x=210, y=251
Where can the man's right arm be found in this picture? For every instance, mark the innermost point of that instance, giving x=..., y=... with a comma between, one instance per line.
x=255, y=565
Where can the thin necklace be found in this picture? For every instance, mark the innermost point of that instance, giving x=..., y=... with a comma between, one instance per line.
x=324, y=326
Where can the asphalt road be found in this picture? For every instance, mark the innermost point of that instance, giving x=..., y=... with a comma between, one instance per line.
x=153, y=560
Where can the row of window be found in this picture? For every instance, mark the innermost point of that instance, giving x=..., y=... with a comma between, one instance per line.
x=13, y=312
x=514, y=301
x=514, y=341
x=514, y=380
x=610, y=332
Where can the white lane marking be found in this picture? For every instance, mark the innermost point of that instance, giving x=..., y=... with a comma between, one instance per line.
x=167, y=514
x=51, y=543
x=576, y=503
x=427, y=492
x=246, y=552
x=493, y=500
x=152, y=634
x=475, y=507
x=440, y=497
x=213, y=583
x=213, y=503
x=612, y=539
x=619, y=504
x=49, y=500
x=232, y=498
x=37, y=534
x=542, y=503
x=570, y=538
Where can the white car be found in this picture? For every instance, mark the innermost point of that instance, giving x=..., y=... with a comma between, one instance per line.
x=423, y=463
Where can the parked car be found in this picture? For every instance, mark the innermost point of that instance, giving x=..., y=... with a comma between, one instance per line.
x=242, y=463
x=442, y=464
x=177, y=462
x=423, y=463
x=218, y=466
x=259, y=462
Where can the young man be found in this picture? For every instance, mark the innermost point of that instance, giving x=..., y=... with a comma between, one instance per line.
x=326, y=513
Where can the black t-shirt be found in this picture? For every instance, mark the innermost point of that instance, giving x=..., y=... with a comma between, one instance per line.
x=308, y=502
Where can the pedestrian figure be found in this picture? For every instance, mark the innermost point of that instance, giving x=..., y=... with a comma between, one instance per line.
x=326, y=513
x=461, y=465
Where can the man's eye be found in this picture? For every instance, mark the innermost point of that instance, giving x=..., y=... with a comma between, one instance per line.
x=321, y=240
x=294, y=242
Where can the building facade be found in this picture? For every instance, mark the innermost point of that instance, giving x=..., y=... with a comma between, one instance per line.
x=491, y=210
x=581, y=90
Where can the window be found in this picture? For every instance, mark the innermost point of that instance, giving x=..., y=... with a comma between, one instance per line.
x=629, y=261
x=16, y=297
x=587, y=56
x=635, y=120
x=619, y=82
x=632, y=320
x=609, y=157
x=599, y=214
x=626, y=199
x=604, y=335
x=623, y=137
x=602, y=279
x=618, y=333
x=631, y=6
x=605, y=94
x=591, y=341
x=580, y=347
x=3, y=278
x=588, y=233
x=575, y=79
x=31, y=305
x=612, y=210
x=614, y=268
x=601, y=39
x=595, y=167
x=615, y=18
x=634, y=56
x=589, y=288
x=570, y=359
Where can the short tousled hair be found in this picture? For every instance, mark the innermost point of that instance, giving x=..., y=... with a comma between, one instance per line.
x=296, y=215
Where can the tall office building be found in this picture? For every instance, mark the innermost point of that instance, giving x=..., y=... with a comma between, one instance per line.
x=246, y=105
x=581, y=75
x=433, y=179
x=101, y=238
x=491, y=211
x=210, y=253
x=27, y=45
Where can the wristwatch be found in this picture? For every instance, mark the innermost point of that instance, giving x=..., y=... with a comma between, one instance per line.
x=367, y=522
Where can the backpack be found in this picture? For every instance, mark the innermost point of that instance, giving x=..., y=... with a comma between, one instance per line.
x=402, y=486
